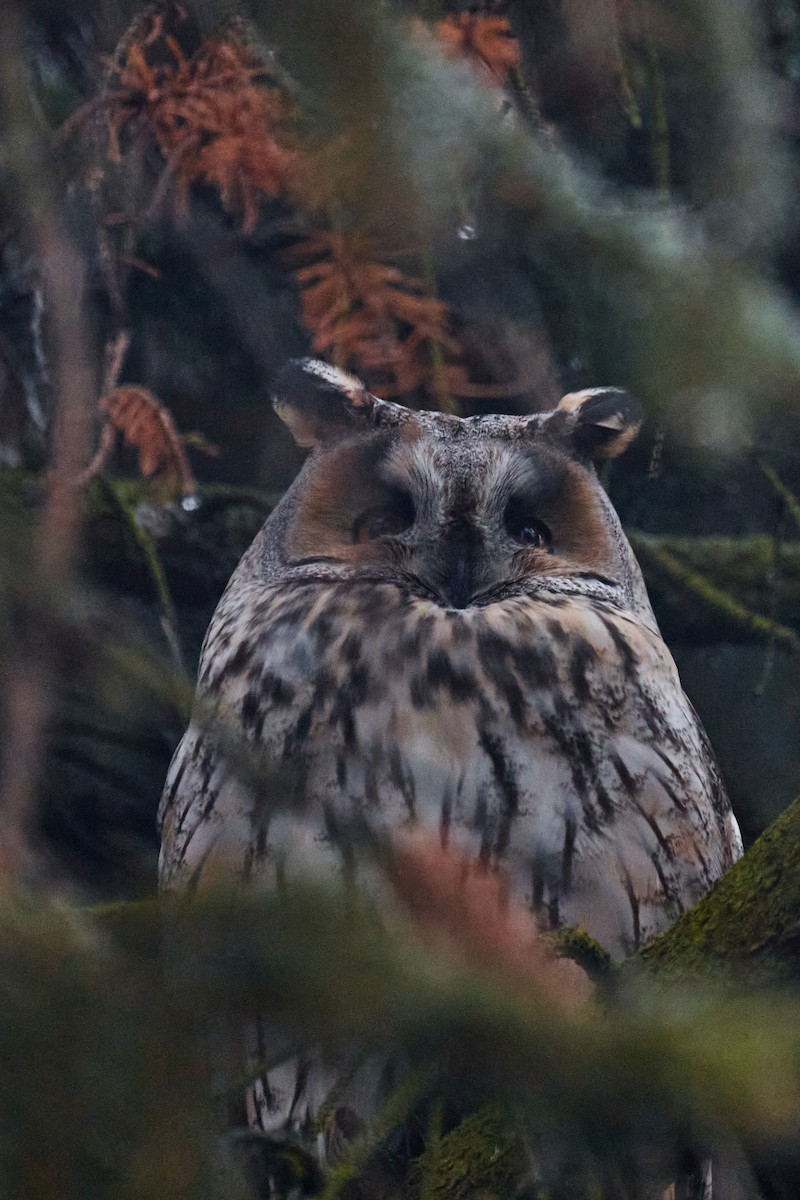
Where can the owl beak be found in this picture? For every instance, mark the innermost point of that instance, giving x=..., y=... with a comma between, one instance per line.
x=456, y=568
x=458, y=586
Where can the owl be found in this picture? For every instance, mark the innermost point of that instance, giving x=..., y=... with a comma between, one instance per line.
x=444, y=628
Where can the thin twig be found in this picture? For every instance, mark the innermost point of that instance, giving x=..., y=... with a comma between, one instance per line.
x=441, y=390
x=116, y=349
x=787, y=505
x=627, y=91
x=139, y=264
x=773, y=582
x=149, y=551
x=526, y=101
x=659, y=132
x=108, y=438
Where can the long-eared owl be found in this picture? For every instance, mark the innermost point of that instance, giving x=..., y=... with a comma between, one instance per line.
x=443, y=624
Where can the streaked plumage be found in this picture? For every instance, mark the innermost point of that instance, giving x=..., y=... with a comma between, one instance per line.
x=443, y=624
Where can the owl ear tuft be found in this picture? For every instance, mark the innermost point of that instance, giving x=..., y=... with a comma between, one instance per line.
x=317, y=402
x=597, y=422
x=321, y=404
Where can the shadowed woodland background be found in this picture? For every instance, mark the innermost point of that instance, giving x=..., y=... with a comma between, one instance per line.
x=475, y=209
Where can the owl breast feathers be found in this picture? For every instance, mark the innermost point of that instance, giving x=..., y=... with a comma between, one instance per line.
x=442, y=626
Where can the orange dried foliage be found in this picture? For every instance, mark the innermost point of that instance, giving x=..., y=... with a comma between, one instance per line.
x=485, y=39
x=367, y=316
x=214, y=118
x=146, y=426
x=218, y=118
x=464, y=911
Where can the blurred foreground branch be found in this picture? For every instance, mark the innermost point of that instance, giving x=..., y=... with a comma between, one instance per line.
x=32, y=657
x=607, y=1091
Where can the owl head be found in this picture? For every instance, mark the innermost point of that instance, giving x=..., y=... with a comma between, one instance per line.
x=463, y=511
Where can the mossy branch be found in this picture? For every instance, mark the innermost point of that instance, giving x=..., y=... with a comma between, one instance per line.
x=483, y=1155
x=395, y=1111
x=749, y=924
x=654, y=555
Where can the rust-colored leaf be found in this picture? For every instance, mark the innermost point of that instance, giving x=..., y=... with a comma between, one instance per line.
x=485, y=39
x=215, y=118
x=147, y=426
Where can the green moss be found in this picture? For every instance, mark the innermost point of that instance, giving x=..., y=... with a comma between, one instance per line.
x=575, y=943
x=749, y=923
x=727, y=577
x=483, y=1154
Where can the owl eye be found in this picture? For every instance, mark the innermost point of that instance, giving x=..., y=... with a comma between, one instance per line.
x=384, y=520
x=535, y=534
x=529, y=532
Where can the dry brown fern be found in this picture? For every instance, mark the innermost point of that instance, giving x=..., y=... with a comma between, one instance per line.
x=219, y=117
x=214, y=116
x=485, y=39
x=367, y=316
x=138, y=416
